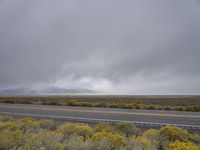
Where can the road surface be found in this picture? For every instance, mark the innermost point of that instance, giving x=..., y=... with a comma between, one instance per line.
x=190, y=120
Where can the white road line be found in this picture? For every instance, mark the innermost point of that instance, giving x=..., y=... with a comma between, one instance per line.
x=101, y=120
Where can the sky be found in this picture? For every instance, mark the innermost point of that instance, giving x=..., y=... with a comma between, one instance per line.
x=106, y=46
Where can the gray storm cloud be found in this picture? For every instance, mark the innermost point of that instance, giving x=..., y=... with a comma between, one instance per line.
x=109, y=46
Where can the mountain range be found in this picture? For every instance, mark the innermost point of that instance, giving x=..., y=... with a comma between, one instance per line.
x=42, y=91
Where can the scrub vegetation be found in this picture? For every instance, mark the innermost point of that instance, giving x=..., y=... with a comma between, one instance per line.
x=177, y=103
x=44, y=134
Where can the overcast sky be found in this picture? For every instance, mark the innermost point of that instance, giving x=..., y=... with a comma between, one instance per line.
x=108, y=46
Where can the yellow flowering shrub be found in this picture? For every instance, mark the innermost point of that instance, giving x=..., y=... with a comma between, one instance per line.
x=46, y=140
x=45, y=134
x=78, y=143
x=172, y=133
x=9, y=139
x=177, y=145
x=78, y=129
x=126, y=129
x=47, y=124
x=103, y=127
x=28, y=124
x=139, y=143
x=11, y=125
x=153, y=136
x=115, y=140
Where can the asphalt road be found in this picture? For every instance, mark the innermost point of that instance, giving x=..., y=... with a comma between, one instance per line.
x=190, y=120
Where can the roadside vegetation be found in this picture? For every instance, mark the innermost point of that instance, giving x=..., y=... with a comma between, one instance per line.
x=126, y=102
x=44, y=134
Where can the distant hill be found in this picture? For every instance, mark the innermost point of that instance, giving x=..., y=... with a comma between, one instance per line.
x=42, y=91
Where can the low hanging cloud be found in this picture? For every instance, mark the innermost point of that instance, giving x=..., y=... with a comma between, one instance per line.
x=107, y=46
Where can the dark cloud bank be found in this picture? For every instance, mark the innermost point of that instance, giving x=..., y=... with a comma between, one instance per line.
x=107, y=46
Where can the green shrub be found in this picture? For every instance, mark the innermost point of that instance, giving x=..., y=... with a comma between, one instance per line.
x=189, y=108
x=137, y=106
x=179, y=108
x=101, y=105
x=9, y=101
x=196, y=108
x=159, y=107
x=130, y=106
x=24, y=101
x=53, y=103
x=151, y=107
x=84, y=104
x=167, y=108
x=69, y=103
x=113, y=105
